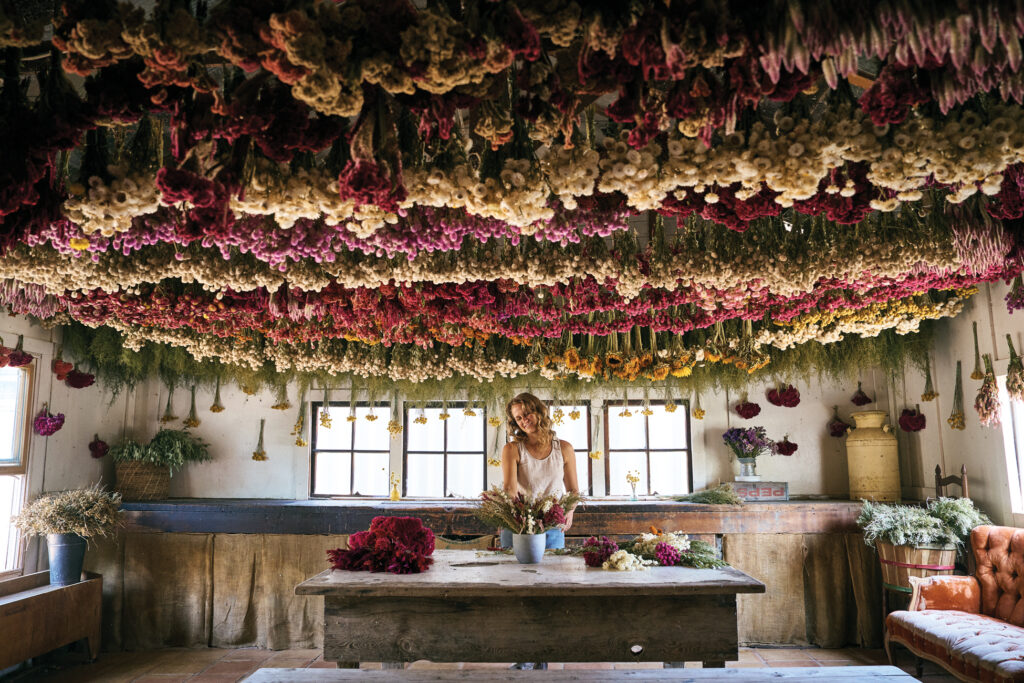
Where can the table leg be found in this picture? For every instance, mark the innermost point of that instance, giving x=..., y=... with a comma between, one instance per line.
x=714, y=664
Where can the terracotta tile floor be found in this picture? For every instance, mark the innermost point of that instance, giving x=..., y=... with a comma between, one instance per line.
x=172, y=666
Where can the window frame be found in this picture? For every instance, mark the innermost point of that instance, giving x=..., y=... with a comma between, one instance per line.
x=1012, y=419
x=21, y=467
x=682, y=405
x=457, y=405
x=550, y=403
x=315, y=426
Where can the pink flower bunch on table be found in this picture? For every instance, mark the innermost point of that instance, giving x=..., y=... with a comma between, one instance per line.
x=398, y=545
x=597, y=550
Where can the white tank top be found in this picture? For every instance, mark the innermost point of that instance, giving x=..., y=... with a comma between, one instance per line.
x=541, y=477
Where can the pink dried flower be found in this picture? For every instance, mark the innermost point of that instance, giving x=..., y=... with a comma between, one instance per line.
x=46, y=424
x=668, y=556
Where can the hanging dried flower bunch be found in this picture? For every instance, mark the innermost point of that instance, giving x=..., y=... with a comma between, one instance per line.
x=325, y=410
x=19, y=357
x=281, y=401
x=217, y=406
x=784, y=447
x=929, y=391
x=46, y=424
x=987, y=401
x=1014, y=374
x=698, y=412
x=912, y=420
x=260, y=453
x=860, y=398
x=977, y=373
x=79, y=380
x=169, y=415
x=193, y=417
x=747, y=409
x=785, y=395
x=97, y=447
x=300, y=423
x=836, y=427
x=395, y=423
x=61, y=367
x=956, y=418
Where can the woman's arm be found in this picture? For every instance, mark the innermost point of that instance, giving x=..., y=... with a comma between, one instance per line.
x=569, y=476
x=510, y=469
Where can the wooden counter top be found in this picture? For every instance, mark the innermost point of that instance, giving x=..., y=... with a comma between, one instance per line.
x=454, y=517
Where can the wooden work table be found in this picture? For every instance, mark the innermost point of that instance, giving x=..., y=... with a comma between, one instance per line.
x=487, y=607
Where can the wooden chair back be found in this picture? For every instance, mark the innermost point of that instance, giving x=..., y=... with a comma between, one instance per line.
x=941, y=482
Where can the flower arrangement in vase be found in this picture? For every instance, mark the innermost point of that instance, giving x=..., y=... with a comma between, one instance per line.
x=747, y=443
x=526, y=517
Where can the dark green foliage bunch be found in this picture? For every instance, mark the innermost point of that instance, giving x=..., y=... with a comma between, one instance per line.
x=723, y=494
x=171, y=448
x=945, y=521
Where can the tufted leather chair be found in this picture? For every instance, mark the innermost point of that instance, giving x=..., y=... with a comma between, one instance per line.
x=971, y=625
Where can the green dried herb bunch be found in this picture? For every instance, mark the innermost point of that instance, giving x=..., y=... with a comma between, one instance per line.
x=171, y=448
x=86, y=512
x=945, y=521
x=723, y=494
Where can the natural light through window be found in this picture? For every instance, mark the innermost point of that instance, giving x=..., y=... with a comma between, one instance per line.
x=14, y=384
x=1012, y=419
x=350, y=458
x=577, y=433
x=656, y=447
x=445, y=458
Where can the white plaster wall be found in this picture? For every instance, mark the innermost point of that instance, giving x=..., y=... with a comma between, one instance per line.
x=980, y=448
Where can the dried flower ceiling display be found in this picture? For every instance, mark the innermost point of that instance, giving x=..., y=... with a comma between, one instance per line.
x=478, y=192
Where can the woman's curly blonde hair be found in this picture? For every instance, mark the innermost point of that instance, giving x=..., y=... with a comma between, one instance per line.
x=530, y=404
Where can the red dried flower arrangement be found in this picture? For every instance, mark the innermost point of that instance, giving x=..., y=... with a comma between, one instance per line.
x=61, y=368
x=97, y=447
x=747, y=410
x=860, y=398
x=18, y=357
x=837, y=427
x=399, y=545
x=79, y=380
x=911, y=420
x=787, y=397
x=784, y=447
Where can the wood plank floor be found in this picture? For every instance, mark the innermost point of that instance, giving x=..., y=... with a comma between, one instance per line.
x=227, y=666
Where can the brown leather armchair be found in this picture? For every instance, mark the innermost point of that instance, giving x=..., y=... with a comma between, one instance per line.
x=971, y=625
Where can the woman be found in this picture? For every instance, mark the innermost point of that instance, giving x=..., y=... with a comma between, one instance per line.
x=536, y=463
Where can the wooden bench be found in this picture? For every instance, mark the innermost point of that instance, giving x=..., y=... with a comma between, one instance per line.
x=36, y=617
x=843, y=674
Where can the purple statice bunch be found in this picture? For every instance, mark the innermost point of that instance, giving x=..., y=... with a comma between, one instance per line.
x=668, y=555
x=596, y=551
x=747, y=442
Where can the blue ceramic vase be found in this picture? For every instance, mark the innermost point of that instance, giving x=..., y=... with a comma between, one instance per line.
x=528, y=548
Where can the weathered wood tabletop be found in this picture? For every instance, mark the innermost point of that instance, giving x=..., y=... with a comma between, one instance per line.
x=487, y=607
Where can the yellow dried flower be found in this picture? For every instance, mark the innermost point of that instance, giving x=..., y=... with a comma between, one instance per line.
x=300, y=442
x=443, y=416
x=371, y=417
x=493, y=421
x=595, y=455
x=670, y=407
x=493, y=462
x=574, y=414
x=325, y=419
x=698, y=414
x=421, y=420
x=284, y=405
x=469, y=412
x=395, y=427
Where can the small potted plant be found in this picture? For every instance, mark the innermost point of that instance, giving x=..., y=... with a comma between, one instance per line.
x=144, y=472
x=67, y=519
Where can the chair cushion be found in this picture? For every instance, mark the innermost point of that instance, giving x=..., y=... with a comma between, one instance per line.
x=999, y=553
x=975, y=645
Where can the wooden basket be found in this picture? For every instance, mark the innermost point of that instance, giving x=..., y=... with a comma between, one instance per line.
x=142, y=480
x=899, y=562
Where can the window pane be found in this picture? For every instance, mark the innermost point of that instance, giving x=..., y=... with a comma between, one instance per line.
x=466, y=433
x=11, y=491
x=574, y=431
x=332, y=474
x=465, y=474
x=429, y=436
x=372, y=435
x=625, y=432
x=371, y=474
x=424, y=475
x=12, y=422
x=339, y=436
x=582, y=473
x=668, y=472
x=666, y=430
x=621, y=462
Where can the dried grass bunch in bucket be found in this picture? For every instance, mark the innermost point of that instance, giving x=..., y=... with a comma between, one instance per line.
x=87, y=512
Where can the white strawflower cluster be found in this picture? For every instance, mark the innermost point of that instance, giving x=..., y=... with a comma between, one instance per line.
x=622, y=561
x=307, y=193
x=647, y=543
x=109, y=208
x=570, y=173
x=633, y=172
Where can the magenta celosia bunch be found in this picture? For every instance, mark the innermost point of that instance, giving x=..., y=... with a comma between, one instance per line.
x=46, y=423
x=596, y=551
x=399, y=545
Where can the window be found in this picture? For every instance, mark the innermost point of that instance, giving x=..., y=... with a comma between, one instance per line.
x=1012, y=419
x=14, y=426
x=445, y=458
x=656, y=446
x=351, y=457
x=577, y=433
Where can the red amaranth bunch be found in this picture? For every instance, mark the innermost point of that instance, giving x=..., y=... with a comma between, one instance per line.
x=97, y=447
x=399, y=545
x=784, y=447
x=837, y=427
x=860, y=398
x=787, y=396
x=79, y=380
x=595, y=551
x=554, y=516
x=892, y=96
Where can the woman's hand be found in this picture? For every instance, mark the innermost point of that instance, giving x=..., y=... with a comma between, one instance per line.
x=568, y=520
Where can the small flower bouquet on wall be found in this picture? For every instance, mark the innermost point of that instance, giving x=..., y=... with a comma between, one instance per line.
x=399, y=545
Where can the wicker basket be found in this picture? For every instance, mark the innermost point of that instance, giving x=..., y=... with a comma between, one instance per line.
x=142, y=480
x=902, y=561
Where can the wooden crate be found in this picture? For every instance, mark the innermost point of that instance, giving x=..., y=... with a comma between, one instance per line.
x=36, y=617
x=902, y=561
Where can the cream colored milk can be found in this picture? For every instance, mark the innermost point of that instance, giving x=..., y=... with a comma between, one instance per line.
x=872, y=458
